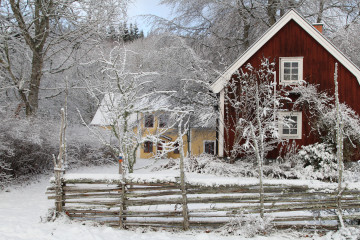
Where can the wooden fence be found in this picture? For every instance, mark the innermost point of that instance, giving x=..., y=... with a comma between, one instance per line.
x=158, y=203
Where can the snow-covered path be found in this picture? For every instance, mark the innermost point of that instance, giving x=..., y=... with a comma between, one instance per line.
x=23, y=208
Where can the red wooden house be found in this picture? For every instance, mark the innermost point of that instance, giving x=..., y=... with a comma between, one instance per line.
x=301, y=52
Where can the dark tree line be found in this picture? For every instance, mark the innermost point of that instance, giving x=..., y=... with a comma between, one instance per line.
x=125, y=32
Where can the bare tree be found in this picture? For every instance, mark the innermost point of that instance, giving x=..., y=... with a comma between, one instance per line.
x=35, y=32
x=252, y=99
x=339, y=146
x=128, y=94
x=221, y=30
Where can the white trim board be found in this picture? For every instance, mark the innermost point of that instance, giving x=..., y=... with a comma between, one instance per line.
x=219, y=84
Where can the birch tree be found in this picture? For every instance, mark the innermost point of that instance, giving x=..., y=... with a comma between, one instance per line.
x=127, y=93
x=339, y=145
x=253, y=100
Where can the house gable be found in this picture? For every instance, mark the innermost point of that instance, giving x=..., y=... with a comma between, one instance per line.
x=290, y=18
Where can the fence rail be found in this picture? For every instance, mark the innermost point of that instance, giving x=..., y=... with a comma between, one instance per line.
x=159, y=203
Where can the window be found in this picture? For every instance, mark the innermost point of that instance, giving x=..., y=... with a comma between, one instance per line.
x=209, y=147
x=149, y=120
x=291, y=70
x=163, y=120
x=148, y=147
x=176, y=150
x=290, y=126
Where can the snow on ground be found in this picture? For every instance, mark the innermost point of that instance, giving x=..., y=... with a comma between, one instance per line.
x=24, y=209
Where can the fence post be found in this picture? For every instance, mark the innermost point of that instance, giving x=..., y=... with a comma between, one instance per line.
x=122, y=207
x=185, y=210
x=58, y=189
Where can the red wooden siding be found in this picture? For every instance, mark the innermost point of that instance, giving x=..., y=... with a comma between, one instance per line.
x=318, y=68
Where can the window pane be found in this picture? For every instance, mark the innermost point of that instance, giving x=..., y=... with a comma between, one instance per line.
x=163, y=120
x=293, y=131
x=294, y=77
x=294, y=71
x=287, y=70
x=176, y=150
x=293, y=118
x=209, y=147
x=295, y=64
x=149, y=121
x=285, y=130
x=148, y=147
x=286, y=64
x=286, y=77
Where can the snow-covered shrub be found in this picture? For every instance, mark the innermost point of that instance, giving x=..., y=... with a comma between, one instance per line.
x=348, y=233
x=27, y=145
x=318, y=162
x=352, y=171
x=351, y=130
x=209, y=164
x=321, y=112
x=5, y=174
x=247, y=225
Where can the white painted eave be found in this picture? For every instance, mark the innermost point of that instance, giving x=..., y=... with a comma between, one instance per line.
x=219, y=84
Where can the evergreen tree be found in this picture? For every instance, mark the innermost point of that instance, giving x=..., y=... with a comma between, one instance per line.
x=126, y=34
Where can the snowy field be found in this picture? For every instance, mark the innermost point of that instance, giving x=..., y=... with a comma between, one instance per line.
x=24, y=210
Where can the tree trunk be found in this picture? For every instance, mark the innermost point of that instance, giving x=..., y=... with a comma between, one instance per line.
x=185, y=210
x=36, y=42
x=36, y=74
x=271, y=11
x=339, y=146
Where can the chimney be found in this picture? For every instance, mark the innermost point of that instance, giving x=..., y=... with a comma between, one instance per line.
x=319, y=26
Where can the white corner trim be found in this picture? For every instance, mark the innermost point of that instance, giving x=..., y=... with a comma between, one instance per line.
x=221, y=124
x=219, y=84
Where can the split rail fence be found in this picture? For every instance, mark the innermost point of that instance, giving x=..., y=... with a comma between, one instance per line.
x=159, y=203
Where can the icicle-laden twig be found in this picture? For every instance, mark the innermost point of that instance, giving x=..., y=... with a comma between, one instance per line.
x=339, y=146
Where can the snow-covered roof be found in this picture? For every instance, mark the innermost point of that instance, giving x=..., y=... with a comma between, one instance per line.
x=112, y=105
x=219, y=84
x=205, y=120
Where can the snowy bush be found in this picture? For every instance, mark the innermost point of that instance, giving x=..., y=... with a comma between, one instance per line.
x=351, y=130
x=318, y=162
x=248, y=226
x=348, y=233
x=27, y=145
x=209, y=164
x=5, y=174
x=352, y=171
x=322, y=116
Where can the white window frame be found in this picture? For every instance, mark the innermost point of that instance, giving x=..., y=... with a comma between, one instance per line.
x=283, y=60
x=299, y=125
x=212, y=141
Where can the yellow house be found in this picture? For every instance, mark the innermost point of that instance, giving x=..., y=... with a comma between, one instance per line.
x=201, y=138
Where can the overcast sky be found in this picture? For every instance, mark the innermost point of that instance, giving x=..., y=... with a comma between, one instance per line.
x=142, y=7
